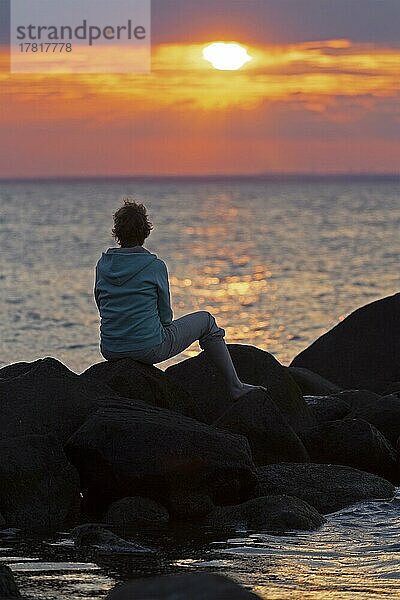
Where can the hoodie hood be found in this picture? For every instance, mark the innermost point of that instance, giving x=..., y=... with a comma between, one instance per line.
x=117, y=265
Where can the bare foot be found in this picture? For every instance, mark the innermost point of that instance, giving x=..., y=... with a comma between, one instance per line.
x=245, y=389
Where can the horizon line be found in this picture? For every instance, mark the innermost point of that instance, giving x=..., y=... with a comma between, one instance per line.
x=276, y=176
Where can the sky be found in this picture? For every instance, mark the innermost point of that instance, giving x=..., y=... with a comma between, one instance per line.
x=320, y=95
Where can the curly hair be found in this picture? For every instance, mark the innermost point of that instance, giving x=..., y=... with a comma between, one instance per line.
x=131, y=224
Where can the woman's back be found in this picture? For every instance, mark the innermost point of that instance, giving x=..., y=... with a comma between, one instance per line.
x=132, y=295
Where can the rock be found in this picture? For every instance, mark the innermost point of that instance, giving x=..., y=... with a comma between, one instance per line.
x=270, y=513
x=44, y=397
x=129, y=448
x=202, y=380
x=327, y=408
x=196, y=586
x=356, y=398
x=39, y=489
x=355, y=443
x=20, y=368
x=383, y=413
x=362, y=351
x=138, y=381
x=271, y=439
x=8, y=587
x=92, y=536
x=186, y=503
x=131, y=511
x=326, y=487
x=312, y=384
x=393, y=388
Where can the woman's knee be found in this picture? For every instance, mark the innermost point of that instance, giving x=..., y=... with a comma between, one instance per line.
x=211, y=330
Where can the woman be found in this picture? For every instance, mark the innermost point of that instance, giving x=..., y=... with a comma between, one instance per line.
x=133, y=298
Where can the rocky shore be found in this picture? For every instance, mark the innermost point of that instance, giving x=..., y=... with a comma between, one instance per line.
x=125, y=443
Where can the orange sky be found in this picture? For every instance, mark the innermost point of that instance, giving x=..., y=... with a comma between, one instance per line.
x=323, y=106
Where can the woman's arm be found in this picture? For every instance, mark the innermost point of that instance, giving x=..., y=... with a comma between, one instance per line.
x=164, y=296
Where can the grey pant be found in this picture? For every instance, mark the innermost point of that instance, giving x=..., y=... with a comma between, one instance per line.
x=181, y=334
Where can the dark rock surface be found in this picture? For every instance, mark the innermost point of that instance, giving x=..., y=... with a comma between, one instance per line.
x=8, y=586
x=326, y=487
x=135, y=510
x=362, y=351
x=269, y=513
x=188, y=586
x=384, y=414
x=93, y=536
x=39, y=489
x=355, y=443
x=129, y=448
x=201, y=379
x=271, y=439
x=44, y=397
x=138, y=381
x=357, y=398
x=327, y=408
x=312, y=384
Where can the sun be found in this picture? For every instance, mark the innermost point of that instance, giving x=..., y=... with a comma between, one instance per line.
x=226, y=56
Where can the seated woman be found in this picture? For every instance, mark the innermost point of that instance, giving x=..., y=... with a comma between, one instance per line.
x=132, y=294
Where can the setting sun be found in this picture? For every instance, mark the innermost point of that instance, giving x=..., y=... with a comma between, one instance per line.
x=226, y=56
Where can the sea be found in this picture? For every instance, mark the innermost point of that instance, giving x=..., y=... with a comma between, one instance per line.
x=278, y=261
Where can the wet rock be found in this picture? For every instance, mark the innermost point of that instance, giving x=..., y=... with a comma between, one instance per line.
x=269, y=513
x=383, y=413
x=203, y=381
x=326, y=487
x=362, y=351
x=92, y=536
x=131, y=511
x=8, y=586
x=327, y=408
x=39, y=489
x=312, y=384
x=196, y=586
x=44, y=397
x=138, y=381
x=271, y=439
x=355, y=443
x=129, y=448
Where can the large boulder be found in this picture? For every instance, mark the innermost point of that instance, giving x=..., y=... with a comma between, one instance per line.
x=383, y=413
x=355, y=443
x=258, y=418
x=326, y=487
x=271, y=513
x=196, y=586
x=138, y=381
x=39, y=489
x=362, y=351
x=45, y=397
x=207, y=386
x=129, y=448
x=312, y=384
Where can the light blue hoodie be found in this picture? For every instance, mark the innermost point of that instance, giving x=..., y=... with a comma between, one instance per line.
x=132, y=294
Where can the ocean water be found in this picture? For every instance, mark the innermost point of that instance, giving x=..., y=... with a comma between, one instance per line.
x=278, y=263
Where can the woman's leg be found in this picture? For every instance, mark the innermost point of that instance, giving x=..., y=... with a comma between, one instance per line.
x=202, y=326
